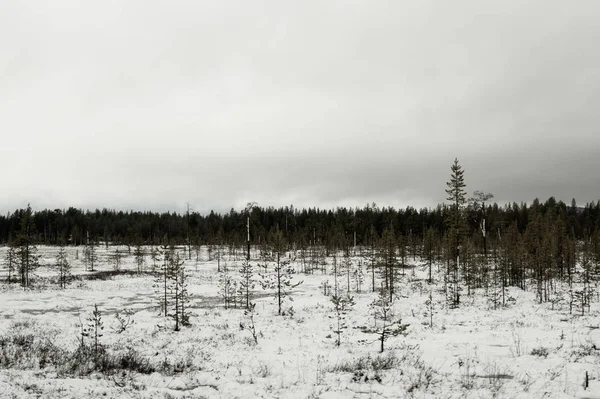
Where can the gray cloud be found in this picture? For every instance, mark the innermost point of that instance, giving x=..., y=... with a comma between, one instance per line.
x=152, y=104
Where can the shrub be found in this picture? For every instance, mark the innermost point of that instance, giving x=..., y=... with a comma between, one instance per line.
x=22, y=350
x=583, y=350
x=541, y=352
x=422, y=376
x=377, y=363
x=130, y=360
x=263, y=370
x=350, y=366
x=387, y=362
x=27, y=351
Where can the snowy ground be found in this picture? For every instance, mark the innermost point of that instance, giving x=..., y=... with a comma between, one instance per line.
x=472, y=351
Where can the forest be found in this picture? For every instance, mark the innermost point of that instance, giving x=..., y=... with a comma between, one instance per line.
x=331, y=227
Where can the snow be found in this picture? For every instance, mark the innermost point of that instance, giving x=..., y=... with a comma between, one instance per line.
x=473, y=351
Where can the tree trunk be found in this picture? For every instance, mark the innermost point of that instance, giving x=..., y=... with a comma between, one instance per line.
x=278, y=284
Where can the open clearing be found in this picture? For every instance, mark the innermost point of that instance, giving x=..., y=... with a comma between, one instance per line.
x=473, y=351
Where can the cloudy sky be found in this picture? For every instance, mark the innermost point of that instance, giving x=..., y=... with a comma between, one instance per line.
x=145, y=104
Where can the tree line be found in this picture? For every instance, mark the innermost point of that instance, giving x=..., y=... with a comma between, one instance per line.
x=332, y=227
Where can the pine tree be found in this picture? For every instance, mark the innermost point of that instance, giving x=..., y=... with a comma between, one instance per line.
x=413, y=243
x=12, y=262
x=219, y=248
x=226, y=287
x=116, y=259
x=429, y=243
x=469, y=263
x=246, y=284
x=389, y=324
x=341, y=306
x=63, y=267
x=196, y=248
x=456, y=222
x=479, y=200
x=371, y=256
x=347, y=268
x=559, y=246
x=335, y=271
x=184, y=297
x=534, y=241
x=177, y=289
x=281, y=278
x=303, y=255
x=155, y=255
x=402, y=252
x=387, y=254
x=496, y=292
x=322, y=259
x=162, y=256
x=430, y=308
x=250, y=313
x=93, y=331
x=140, y=257
x=358, y=276
x=171, y=285
x=511, y=246
x=168, y=253
x=595, y=259
x=90, y=256
x=547, y=272
x=26, y=251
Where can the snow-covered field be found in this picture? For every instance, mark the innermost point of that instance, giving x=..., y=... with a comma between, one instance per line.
x=473, y=351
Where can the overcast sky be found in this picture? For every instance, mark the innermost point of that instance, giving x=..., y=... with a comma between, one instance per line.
x=147, y=105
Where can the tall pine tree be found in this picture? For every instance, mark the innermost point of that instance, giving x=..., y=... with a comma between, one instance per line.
x=456, y=223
